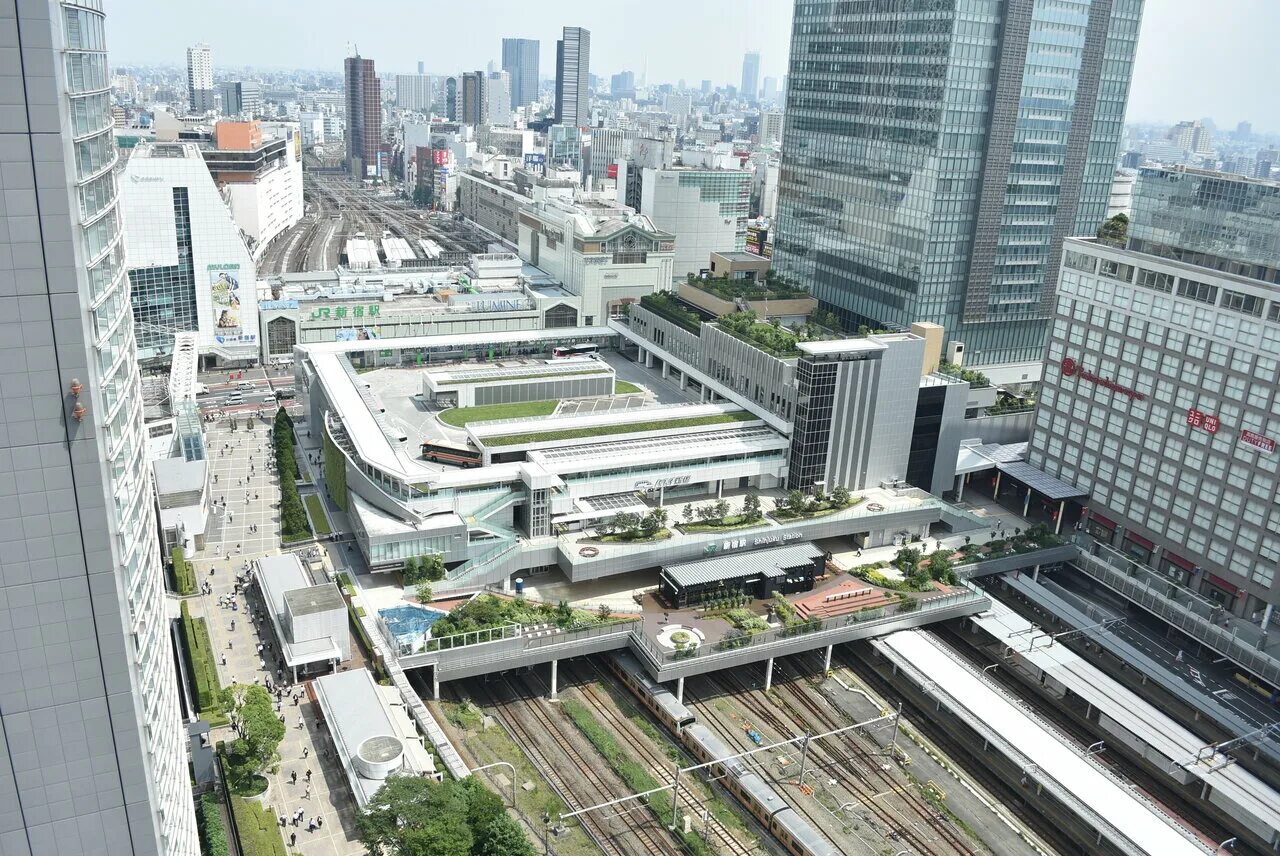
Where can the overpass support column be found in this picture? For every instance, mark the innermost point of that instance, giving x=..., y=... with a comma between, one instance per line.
x=679, y=690
x=826, y=662
x=435, y=682
x=555, y=664
x=1026, y=503
x=960, y=487
x=1035, y=574
x=768, y=675
x=1062, y=509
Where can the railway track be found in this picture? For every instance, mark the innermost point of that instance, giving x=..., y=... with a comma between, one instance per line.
x=637, y=837
x=658, y=764
x=867, y=787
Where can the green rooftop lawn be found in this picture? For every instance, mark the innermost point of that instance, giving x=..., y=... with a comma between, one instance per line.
x=459, y=417
x=621, y=387
x=625, y=428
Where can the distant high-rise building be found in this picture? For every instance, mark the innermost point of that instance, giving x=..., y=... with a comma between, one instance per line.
x=471, y=100
x=520, y=60
x=623, y=84
x=771, y=126
x=770, y=93
x=750, y=89
x=497, y=98
x=1244, y=130
x=706, y=87
x=573, y=67
x=1191, y=137
x=413, y=92
x=1131, y=160
x=452, y=105
x=92, y=743
x=241, y=97
x=200, y=94
x=364, y=116
x=896, y=208
x=422, y=67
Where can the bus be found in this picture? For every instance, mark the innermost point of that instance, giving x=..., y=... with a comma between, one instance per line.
x=562, y=351
x=449, y=453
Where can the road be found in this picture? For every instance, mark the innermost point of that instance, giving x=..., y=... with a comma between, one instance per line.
x=1203, y=674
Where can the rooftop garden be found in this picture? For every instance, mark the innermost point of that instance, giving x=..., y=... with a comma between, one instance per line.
x=772, y=287
x=460, y=417
x=665, y=305
x=1007, y=404
x=623, y=428
x=488, y=611
x=719, y=516
x=976, y=379
x=795, y=505
x=772, y=338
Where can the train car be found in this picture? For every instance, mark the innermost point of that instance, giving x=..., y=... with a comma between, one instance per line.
x=448, y=453
x=656, y=698
x=798, y=836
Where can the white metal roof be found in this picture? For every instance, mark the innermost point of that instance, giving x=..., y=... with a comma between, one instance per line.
x=1148, y=723
x=1130, y=814
x=662, y=412
x=505, y=337
x=277, y=576
x=729, y=439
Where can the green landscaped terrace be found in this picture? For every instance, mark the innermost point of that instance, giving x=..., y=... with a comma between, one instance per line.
x=460, y=417
x=623, y=428
x=545, y=375
x=763, y=289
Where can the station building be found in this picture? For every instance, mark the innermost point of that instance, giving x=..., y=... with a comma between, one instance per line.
x=504, y=496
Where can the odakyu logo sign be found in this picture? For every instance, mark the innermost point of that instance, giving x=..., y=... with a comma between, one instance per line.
x=1068, y=367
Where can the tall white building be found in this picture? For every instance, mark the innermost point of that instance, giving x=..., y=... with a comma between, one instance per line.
x=706, y=210
x=200, y=93
x=497, y=98
x=573, y=70
x=189, y=267
x=413, y=92
x=92, y=747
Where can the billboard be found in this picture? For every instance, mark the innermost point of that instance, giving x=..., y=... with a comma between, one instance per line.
x=357, y=334
x=226, y=294
x=612, y=171
x=535, y=159
x=440, y=157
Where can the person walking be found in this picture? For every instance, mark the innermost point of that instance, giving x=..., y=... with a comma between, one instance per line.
x=293, y=839
x=308, y=775
x=307, y=795
x=293, y=777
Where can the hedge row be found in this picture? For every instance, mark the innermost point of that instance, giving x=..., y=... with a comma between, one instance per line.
x=293, y=517
x=259, y=830
x=184, y=576
x=213, y=833
x=204, y=672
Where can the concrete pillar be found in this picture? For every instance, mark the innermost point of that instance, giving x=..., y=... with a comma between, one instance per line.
x=684, y=380
x=662, y=496
x=1026, y=503
x=555, y=664
x=960, y=487
x=826, y=663
x=1062, y=508
x=1035, y=574
x=1266, y=616
x=719, y=488
x=666, y=369
x=768, y=675
x=996, y=493
x=680, y=691
x=435, y=682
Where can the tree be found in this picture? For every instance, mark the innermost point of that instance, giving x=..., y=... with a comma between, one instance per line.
x=751, y=506
x=706, y=513
x=603, y=612
x=627, y=523
x=722, y=509
x=1114, y=230
x=564, y=613
x=939, y=565
x=258, y=730
x=412, y=570
x=433, y=567
x=687, y=513
x=840, y=496
x=651, y=524
x=907, y=559
x=503, y=837
x=423, y=592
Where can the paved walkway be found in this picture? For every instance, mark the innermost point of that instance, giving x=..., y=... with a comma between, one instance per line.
x=236, y=637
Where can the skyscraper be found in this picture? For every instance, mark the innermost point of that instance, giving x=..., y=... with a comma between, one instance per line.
x=497, y=98
x=364, y=116
x=520, y=60
x=414, y=92
x=573, y=66
x=472, y=98
x=770, y=93
x=750, y=89
x=200, y=78
x=92, y=747
x=915, y=191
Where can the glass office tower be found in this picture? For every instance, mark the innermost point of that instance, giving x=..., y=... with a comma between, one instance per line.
x=936, y=153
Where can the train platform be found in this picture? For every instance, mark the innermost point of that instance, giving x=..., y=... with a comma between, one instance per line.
x=1184, y=757
x=1129, y=821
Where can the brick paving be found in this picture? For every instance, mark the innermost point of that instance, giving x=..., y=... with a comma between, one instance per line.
x=327, y=796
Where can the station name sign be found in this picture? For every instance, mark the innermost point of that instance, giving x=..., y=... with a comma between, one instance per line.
x=648, y=485
x=1070, y=368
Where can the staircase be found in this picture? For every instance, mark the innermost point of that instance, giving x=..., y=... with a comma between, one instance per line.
x=489, y=567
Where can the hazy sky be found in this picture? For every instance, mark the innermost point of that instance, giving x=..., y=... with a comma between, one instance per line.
x=1194, y=58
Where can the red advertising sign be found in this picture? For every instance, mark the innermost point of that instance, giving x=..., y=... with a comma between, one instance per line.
x=1266, y=444
x=1070, y=368
x=440, y=157
x=612, y=171
x=1200, y=419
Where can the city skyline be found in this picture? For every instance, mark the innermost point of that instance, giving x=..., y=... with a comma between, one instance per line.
x=1166, y=86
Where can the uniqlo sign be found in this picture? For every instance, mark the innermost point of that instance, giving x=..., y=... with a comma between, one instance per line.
x=1202, y=420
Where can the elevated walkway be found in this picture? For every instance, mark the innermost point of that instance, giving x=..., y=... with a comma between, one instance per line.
x=1129, y=822
x=1018, y=561
x=1188, y=612
x=1165, y=744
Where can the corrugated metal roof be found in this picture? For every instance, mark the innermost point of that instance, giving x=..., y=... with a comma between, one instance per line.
x=1041, y=482
x=768, y=561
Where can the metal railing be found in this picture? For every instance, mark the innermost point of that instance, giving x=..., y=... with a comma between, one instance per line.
x=813, y=629
x=1160, y=596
